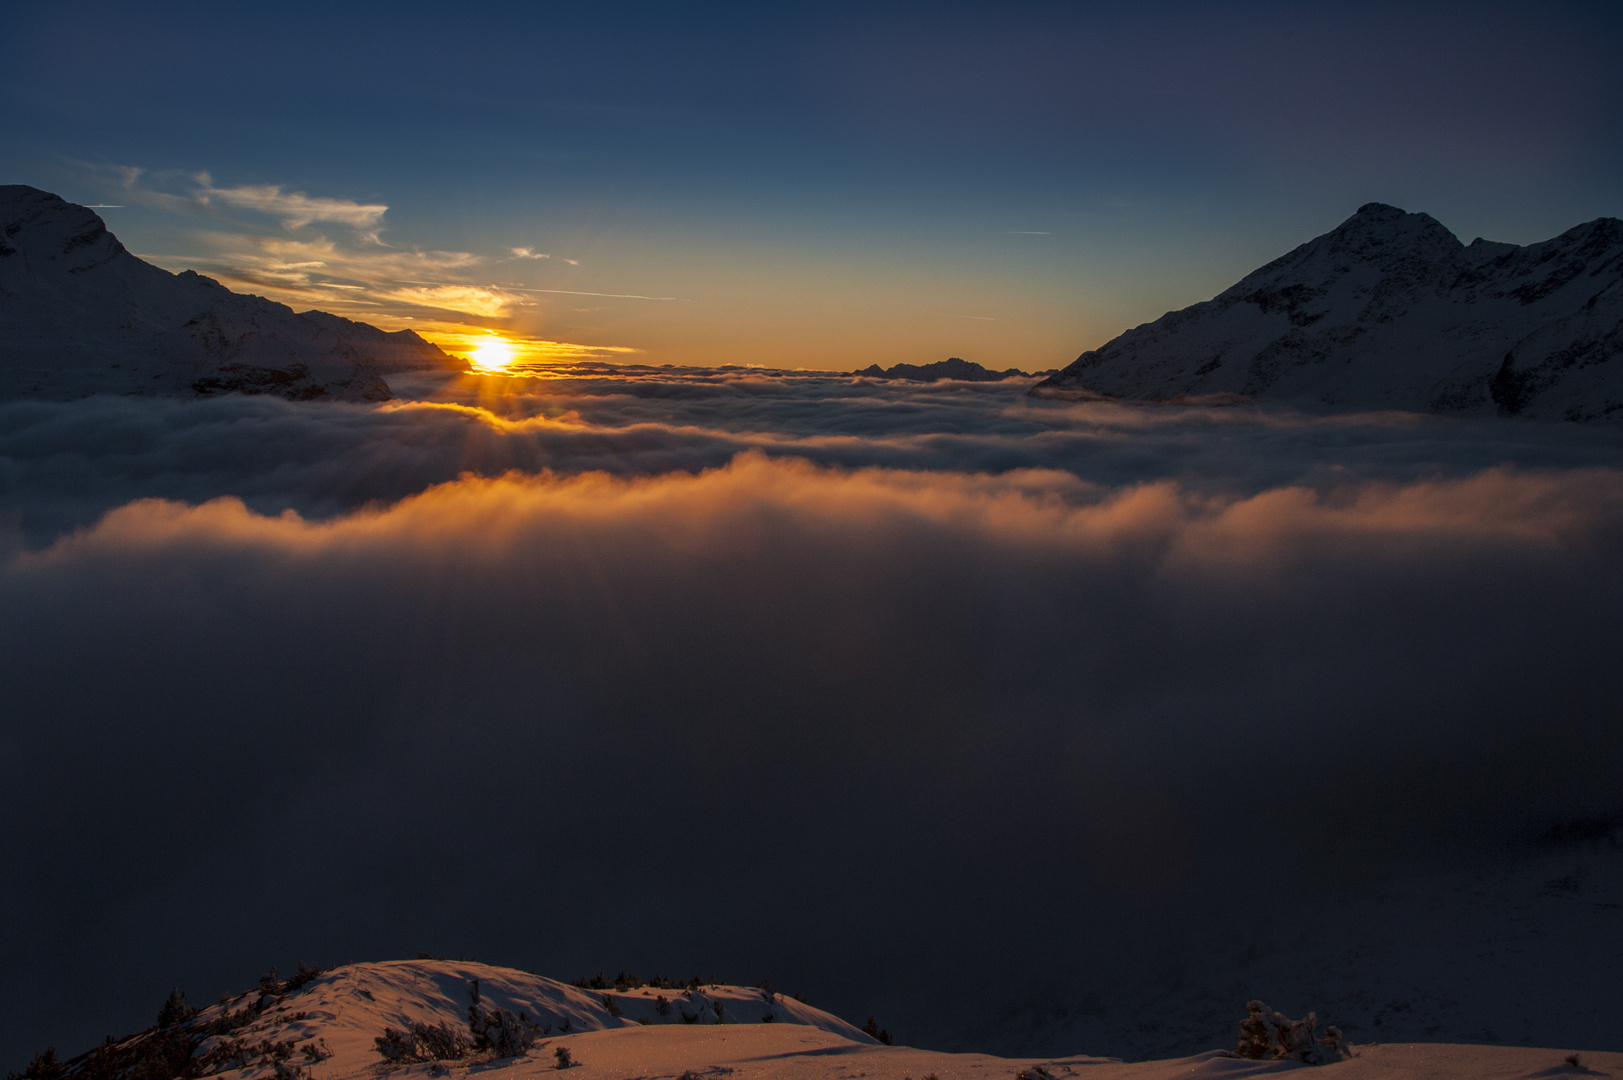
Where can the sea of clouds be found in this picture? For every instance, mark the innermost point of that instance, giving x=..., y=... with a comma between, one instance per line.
x=901, y=696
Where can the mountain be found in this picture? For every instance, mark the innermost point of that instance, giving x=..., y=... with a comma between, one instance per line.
x=80, y=315
x=1390, y=311
x=436, y=1018
x=951, y=368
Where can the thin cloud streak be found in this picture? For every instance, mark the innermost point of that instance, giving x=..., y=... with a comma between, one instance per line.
x=619, y=296
x=295, y=209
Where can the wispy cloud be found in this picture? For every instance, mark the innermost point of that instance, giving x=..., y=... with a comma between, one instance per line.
x=326, y=253
x=294, y=209
x=615, y=295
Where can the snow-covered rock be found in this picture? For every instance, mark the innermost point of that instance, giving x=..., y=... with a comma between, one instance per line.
x=329, y=1027
x=1390, y=311
x=80, y=315
x=360, y=1019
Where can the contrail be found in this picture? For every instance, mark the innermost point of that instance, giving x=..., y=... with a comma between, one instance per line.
x=566, y=292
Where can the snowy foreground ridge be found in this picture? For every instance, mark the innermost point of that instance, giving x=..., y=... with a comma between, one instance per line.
x=436, y=1018
x=80, y=315
x=1390, y=311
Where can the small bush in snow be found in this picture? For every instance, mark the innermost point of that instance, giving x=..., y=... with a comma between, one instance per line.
x=498, y=1030
x=396, y=1046
x=504, y=1034
x=306, y=974
x=566, y=1060
x=661, y=1006
x=873, y=1029
x=283, y=1071
x=1266, y=1035
x=612, y=1006
x=422, y=1042
x=440, y=1042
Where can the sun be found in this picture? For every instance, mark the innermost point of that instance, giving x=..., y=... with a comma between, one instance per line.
x=493, y=354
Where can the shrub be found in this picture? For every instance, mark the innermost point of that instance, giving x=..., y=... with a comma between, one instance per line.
x=45, y=1066
x=504, y=1034
x=422, y=1042
x=305, y=975
x=1266, y=1035
x=174, y=1009
x=566, y=1060
x=873, y=1029
x=498, y=1030
x=611, y=1005
x=396, y=1046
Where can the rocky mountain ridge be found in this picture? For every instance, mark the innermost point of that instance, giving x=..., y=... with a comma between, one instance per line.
x=951, y=368
x=80, y=315
x=1391, y=311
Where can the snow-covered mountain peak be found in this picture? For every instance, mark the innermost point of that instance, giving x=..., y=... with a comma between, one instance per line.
x=73, y=236
x=80, y=315
x=1390, y=311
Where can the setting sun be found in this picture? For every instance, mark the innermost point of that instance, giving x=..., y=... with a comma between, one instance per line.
x=492, y=355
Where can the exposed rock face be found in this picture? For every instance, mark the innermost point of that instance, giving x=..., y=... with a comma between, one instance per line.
x=80, y=315
x=1391, y=311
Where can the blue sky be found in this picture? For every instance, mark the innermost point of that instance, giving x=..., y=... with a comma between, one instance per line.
x=825, y=185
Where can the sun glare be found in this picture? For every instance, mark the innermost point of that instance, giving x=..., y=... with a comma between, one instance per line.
x=493, y=354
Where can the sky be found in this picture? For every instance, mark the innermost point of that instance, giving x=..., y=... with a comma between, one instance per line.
x=812, y=185
x=976, y=712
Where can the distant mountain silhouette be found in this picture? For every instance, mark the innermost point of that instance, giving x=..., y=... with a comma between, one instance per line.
x=80, y=315
x=952, y=368
x=1390, y=311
